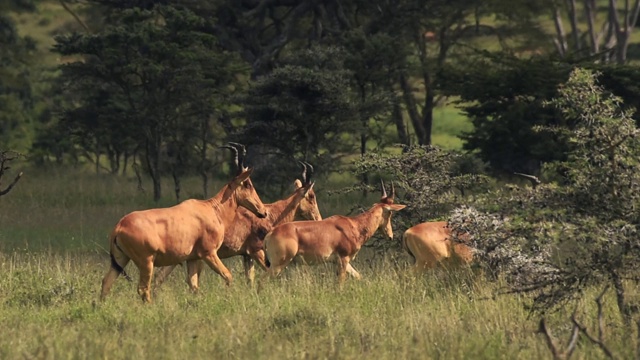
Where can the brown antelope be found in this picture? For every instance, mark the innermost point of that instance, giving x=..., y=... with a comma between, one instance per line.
x=246, y=236
x=337, y=236
x=430, y=243
x=189, y=231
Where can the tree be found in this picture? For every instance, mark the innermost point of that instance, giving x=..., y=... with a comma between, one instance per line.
x=504, y=97
x=608, y=41
x=148, y=80
x=555, y=239
x=16, y=96
x=304, y=108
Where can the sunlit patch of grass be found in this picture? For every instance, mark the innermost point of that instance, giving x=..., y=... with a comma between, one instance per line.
x=448, y=124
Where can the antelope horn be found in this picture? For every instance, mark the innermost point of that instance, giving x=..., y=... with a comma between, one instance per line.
x=393, y=191
x=244, y=152
x=310, y=172
x=304, y=172
x=235, y=150
x=384, y=191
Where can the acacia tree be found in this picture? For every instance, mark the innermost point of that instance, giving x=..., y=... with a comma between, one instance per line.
x=555, y=239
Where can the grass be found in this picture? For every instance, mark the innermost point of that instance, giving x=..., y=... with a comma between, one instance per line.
x=49, y=310
x=448, y=124
x=53, y=229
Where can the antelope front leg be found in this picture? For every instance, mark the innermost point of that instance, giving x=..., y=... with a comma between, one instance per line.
x=216, y=264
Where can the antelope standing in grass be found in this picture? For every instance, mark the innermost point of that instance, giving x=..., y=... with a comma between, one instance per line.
x=430, y=243
x=337, y=236
x=190, y=231
x=245, y=238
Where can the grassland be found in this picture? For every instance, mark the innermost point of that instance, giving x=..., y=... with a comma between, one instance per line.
x=53, y=228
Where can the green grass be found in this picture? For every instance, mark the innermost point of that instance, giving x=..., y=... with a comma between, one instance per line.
x=448, y=124
x=49, y=307
x=53, y=229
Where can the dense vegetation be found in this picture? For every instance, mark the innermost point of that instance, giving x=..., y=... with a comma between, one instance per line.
x=131, y=94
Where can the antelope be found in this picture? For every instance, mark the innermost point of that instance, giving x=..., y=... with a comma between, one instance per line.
x=190, y=231
x=246, y=236
x=430, y=243
x=339, y=237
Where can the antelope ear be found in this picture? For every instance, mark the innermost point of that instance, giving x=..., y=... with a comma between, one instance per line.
x=243, y=176
x=395, y=207
x=309, y=187
x=297, y=184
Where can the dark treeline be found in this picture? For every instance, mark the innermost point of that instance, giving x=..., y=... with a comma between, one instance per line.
x=155, y=86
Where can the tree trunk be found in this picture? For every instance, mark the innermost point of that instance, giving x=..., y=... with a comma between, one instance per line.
x=590, y=8
x=412, y=108
x=427, y=115
x=403, y=136
x=176, y=183
x=363, y=136
x=204, y=131
x=560, y=41
x=152, y=158
x=97, y=156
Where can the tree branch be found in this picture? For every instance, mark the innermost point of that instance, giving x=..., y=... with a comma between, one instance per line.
x=5, y=191
x=75, y=16
x=534, y=179
x=600, y=340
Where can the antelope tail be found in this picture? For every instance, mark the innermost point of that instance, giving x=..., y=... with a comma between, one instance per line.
x=114, y=263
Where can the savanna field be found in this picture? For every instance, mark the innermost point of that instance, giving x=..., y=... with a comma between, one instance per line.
x=510, y=87
x=53, y=236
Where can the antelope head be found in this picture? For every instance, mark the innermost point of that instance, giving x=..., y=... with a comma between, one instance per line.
x=308, y=208
x=388, y=207
x=241, y=186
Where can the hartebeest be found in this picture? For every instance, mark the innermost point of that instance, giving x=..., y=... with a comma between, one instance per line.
x=337, y=236
x=190, y=231
x=430, y=243
x=245, y=238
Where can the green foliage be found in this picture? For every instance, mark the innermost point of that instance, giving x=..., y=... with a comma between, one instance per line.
x=303, y=107
x=504, y=97
x=429, y=180
x=150, y=79
x=557, y=240
x=16, y=97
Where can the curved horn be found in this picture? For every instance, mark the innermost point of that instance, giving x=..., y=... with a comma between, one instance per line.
x=304, y=172
x=235, y=150
x=242, y=148
x=393, y=191
x=384, y=191
x=311, y=170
